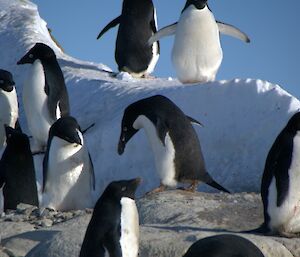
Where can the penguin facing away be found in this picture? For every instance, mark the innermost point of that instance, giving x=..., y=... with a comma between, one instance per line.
x=114, y=225
x=226, y=245
x=68, y=174
x=137, y=23
x=197, y=52
x=45, y=96
x=17, y=171
x=175, y=145
x=8, y=104
x=280, y=183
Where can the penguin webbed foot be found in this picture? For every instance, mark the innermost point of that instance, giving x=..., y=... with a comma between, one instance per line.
x=159, y=189
x=191, y=188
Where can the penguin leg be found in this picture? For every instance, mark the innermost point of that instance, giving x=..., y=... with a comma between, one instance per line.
x=192, y=188
x=159, y=189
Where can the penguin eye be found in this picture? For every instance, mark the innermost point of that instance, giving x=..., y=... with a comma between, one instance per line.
x=123, y=189
x=31, y=56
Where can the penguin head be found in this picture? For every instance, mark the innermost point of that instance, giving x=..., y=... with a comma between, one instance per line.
x=199, y=4
x=6, y=81
x=39, y=51
x=122, y=188
x=294, y=123
x=127, y=129
x=15, y=139
x=67, y=128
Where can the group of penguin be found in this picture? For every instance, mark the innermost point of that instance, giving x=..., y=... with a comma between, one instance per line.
x=68, y=174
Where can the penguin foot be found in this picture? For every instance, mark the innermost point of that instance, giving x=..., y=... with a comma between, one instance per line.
x=159, y=189
x=192, y=188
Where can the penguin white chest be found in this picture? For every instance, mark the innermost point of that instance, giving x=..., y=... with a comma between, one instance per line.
x=129, y=240
x=164, y=154
x=35, y=103
x=287, y=216
x=197, y=52
x=8, y=111
x=68, y=182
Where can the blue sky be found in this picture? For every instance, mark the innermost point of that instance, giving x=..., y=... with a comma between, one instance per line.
x=273, y=27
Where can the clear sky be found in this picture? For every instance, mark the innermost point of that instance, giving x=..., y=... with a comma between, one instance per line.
x=272, y=25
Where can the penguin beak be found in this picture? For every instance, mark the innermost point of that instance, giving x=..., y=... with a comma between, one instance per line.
x=25, y=59
x=8, y=87
x=121, y=146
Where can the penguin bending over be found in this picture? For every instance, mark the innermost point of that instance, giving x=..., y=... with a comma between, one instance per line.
x=226, y=245
x=114, y=225
x=68, y=174
x=8, y=104
x=174, y=142
x=45, y=96
x=137, y=23
x=17, y=171
x=197, y=52
x=280, y=190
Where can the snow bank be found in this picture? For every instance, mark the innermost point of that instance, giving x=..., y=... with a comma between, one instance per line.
x=241, y=117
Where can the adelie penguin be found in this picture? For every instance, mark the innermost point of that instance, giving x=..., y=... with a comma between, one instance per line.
x=224, y=246
x=280, y=189
x=197, y=52
x=45, y=96
x=17, y=171
x=175, y=145
x=8, y=104
x=114, y=226
x=137, y=23
x=68, y=174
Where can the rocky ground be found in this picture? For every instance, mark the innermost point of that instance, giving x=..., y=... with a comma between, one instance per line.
x=170, y=222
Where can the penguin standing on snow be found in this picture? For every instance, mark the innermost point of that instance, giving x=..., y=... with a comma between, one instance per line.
x=225, y=246
x=114, y=225
x=174, y=141
x=8, y=104
x=17, y=171
x=137, y=23
x=68, y=178
x=45, y=96
x=280, y=190
x=197, y=52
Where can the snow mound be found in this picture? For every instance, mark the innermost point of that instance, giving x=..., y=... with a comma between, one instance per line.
x=241, y=117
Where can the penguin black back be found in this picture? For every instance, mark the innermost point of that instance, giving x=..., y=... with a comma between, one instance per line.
x=17, y=171
x=224, y=246
x=55, y=86
x=169, y=118
x=6, y=81
x=104, y=229
x=277, y=164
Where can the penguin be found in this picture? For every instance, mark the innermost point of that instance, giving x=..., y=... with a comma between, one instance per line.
x=8, y=104
x=280, y=183
x=197, y=52
x=137, y=23
x=45, y=96
x=225, y=245
x=114, y=226
x=68, y=173
x=17, y=174
x=175, y=145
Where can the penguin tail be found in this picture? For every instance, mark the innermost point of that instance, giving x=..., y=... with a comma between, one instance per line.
x=214, y=184
x=262, y=229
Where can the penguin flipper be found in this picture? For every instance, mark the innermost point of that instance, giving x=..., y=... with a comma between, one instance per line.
x=161, y=130
x=110, y=25
x=194, y=121
x=91, y=169
x=230, y=30
x=164, y=32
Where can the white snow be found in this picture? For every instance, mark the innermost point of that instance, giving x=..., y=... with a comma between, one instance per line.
x=241, y=117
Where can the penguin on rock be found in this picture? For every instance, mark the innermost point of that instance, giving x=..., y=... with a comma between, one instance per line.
x=114, y=226
x=175, y=145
